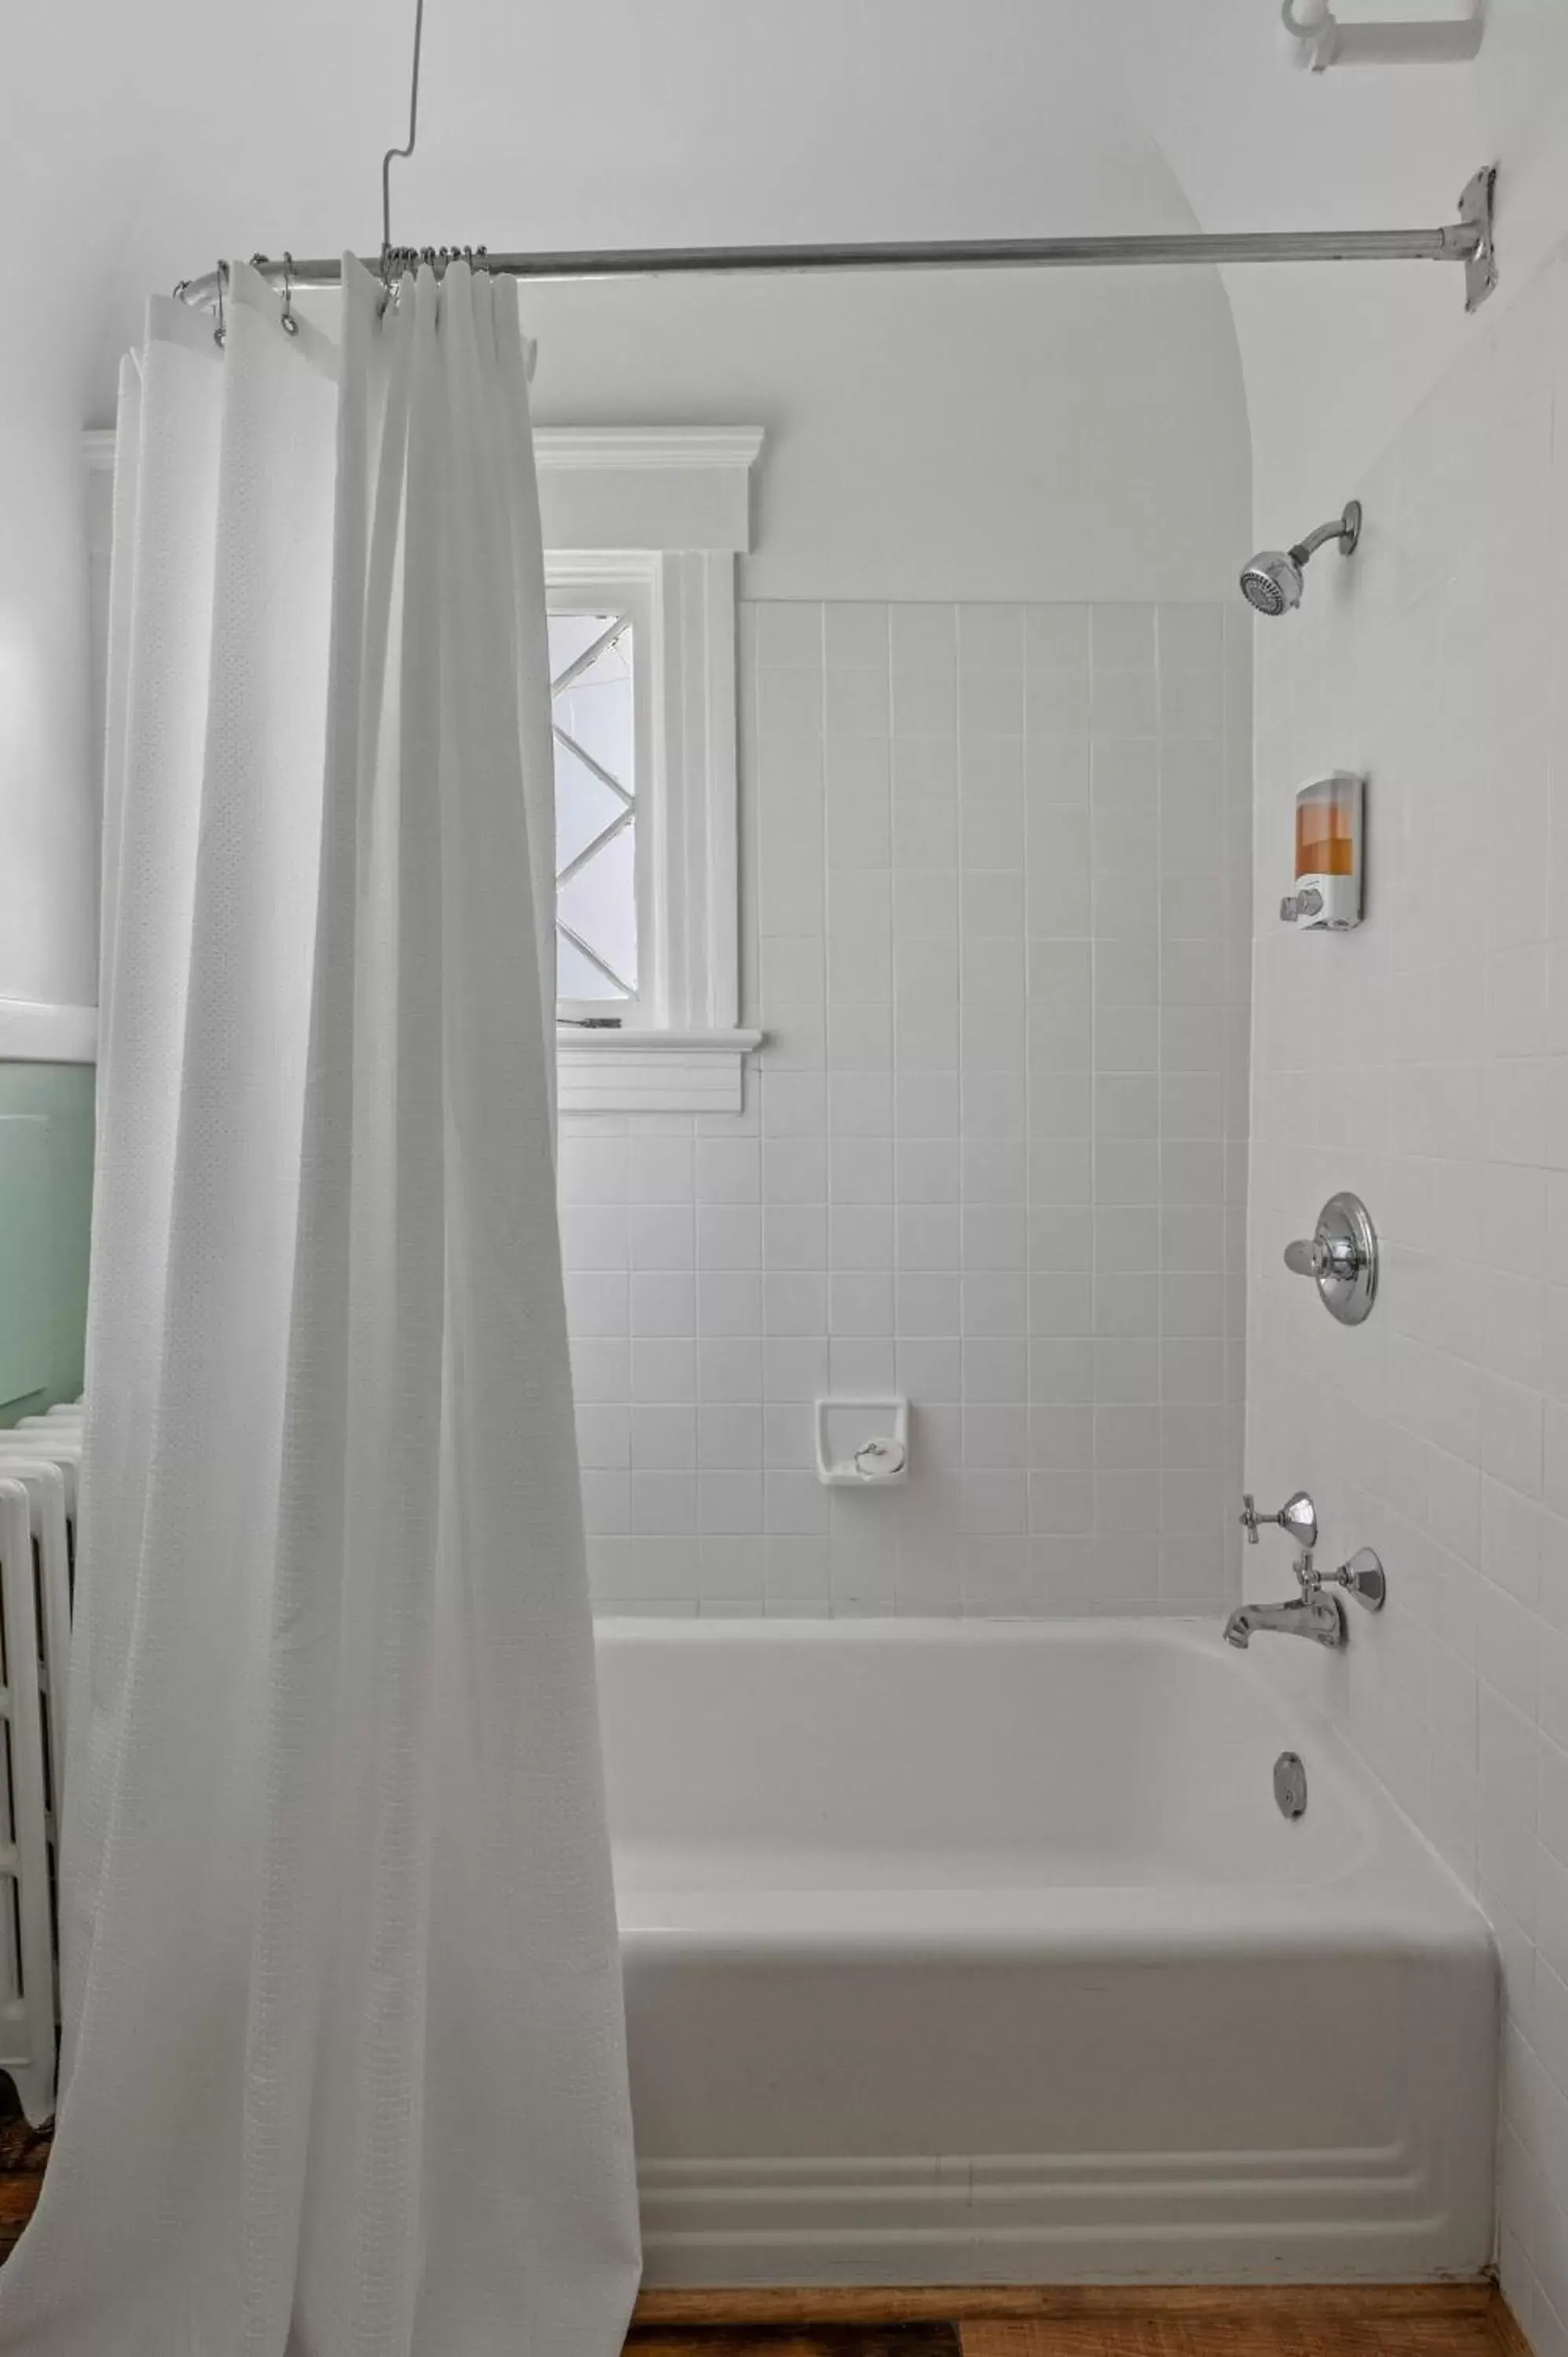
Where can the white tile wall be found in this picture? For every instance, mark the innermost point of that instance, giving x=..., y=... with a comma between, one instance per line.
x=1425, y=1061
x=997, y=921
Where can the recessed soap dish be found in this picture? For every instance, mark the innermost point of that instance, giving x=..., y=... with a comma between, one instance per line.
x=863, y=1443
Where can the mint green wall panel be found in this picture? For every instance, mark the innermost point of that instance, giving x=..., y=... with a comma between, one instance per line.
x=46, y=1208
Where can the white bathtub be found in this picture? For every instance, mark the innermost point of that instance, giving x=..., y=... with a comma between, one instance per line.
x=981, y=1953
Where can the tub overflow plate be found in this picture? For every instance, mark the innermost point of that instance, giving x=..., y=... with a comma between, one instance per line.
x=1290, y=1784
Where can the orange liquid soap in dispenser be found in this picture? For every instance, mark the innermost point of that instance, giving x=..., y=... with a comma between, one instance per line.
x=1327, y=895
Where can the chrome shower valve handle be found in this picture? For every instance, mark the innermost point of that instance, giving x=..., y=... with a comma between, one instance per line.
x=1297, y=1518
x=1321, y=1257
x=1341, y=1258
x=1363, y=1578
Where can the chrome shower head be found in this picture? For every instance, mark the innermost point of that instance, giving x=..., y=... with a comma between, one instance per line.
x=1273, y=580
x=1272, y=583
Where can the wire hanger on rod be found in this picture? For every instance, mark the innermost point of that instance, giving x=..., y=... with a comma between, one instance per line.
x=398, y=259
x=395, y=260
x=393, y=153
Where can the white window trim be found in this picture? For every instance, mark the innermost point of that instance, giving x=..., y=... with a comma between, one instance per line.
x=668, y=508
x=679, y=499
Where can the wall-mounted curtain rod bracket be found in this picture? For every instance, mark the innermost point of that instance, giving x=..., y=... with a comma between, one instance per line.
x=1477, y=211
x=1469, y=241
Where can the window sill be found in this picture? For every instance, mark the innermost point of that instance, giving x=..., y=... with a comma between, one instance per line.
x=651, y=1072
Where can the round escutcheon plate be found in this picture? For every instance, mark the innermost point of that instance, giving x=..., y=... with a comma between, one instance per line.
x=1341, y=1258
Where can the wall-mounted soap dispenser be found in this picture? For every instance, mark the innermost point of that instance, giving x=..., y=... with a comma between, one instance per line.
x=1327, y=895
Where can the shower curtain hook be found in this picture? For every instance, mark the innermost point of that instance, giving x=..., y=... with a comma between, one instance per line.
x=289, y=323
x=221, y=332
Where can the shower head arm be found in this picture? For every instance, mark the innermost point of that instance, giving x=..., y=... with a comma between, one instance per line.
x=1346, y=528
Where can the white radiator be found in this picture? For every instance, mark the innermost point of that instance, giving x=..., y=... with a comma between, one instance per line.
x=39, y=1464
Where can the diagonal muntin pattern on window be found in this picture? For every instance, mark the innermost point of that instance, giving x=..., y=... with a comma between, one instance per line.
x=561, y=681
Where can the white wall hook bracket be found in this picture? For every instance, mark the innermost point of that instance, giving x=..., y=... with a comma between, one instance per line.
x=863, y=1443
x=1323, y=41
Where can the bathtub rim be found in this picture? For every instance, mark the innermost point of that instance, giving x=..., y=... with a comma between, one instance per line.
x=1402, y=1895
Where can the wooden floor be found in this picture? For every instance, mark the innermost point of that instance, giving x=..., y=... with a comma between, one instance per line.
x=798, y=2341
x=1423, y=2321
x=23, y=2153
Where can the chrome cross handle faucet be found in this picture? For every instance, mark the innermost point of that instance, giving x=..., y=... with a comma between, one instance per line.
x=1313, y=1613
x=1297, y=1518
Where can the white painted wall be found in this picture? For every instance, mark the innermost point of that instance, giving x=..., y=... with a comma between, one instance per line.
x=47, y=816
x=989, y=436
x=47, y=812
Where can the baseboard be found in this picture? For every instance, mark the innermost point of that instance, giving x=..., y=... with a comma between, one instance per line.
x=907, y=2304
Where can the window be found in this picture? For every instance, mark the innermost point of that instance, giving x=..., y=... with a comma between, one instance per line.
x=593, y=711
x=641, y=531
x=643, y=527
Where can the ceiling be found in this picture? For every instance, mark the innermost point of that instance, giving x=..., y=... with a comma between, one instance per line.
x=146, y=141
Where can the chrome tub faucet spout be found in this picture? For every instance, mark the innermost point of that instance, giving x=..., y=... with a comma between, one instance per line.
x=1313, y=1613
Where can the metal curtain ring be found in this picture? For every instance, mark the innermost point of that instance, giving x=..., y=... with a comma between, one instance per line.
x=289, y=323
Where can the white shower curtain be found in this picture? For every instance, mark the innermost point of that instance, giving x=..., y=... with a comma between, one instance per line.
x=345, y=2059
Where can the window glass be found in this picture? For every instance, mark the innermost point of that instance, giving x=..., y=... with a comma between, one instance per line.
x=593, y=711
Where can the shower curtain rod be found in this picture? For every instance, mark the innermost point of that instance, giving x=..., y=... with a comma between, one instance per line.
x=1469, y=241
